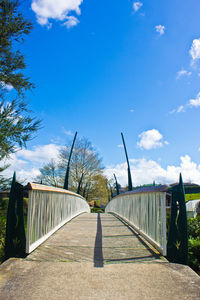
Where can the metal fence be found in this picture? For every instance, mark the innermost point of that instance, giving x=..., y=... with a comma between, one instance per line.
x=50, y=208
x=146, y=212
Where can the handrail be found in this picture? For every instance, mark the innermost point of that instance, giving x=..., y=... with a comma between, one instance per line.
x=146, y=212
x=41, y=187
x=49, y=209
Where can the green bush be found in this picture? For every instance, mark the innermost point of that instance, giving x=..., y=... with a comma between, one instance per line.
x=97, y=210
x=194, y=254
x=194, y=228
x=194, y=244
x=4, y=204
x=2, y=236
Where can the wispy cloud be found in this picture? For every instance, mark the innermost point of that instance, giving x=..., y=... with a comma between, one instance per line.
x=178, y=110
x=150, y=139
x=120, y=146
x=59, y=10
x=195, y=51
x=137, y=5
x=182, y=73
x=160, y=29
x=67, y=132
x=192, y=103
x=131, y=110
x=195, y=102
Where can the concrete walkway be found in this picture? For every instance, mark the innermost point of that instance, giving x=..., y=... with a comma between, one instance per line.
x=95, y=256
x=97, y=238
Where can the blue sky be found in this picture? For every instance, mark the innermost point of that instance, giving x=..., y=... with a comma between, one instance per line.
x=102, y=67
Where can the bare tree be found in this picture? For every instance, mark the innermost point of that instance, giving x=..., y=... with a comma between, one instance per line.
x=84, y=166
x=50, y=174
x=85, y=163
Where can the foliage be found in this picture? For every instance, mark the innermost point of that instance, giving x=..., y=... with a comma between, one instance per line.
x=85, y=163
x=98, y=189
x=97, y=210
x=13, y=27
x=16, y=128
x=16, y=124
x=194, y=243
x=194, y=228
x=189, y=197
x=2, y=234
x=4, y=204
x=194, y=254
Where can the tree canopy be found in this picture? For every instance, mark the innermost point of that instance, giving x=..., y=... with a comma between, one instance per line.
x=86, y=171
x=17, y=125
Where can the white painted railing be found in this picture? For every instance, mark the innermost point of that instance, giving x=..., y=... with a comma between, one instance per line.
x=146, y=212
x=50, y=208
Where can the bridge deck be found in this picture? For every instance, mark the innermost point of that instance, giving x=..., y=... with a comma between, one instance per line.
x=98, y=238
x=95, y=257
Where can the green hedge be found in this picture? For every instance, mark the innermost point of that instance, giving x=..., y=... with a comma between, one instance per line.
x=194, y=244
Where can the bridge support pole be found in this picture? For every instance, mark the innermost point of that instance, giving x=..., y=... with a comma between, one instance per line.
x=130, y=186
x=117, y=187
x=177, y=246
x=66, y=184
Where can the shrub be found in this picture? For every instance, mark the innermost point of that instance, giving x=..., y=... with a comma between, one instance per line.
x=194, y=228
x=2, y=237
x=194, y=254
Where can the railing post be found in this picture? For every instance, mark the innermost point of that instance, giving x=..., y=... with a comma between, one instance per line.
x=15, y=241
x=177, y=246
x=20, y=230
x=11, y=222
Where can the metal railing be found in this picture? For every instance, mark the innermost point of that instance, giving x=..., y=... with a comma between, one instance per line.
x=146, y=212
x=50, y=208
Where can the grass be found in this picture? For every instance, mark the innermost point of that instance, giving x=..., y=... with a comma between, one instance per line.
x=189, y=197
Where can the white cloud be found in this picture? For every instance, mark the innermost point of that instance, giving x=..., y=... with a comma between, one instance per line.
x=150, y=139
x=131, y=110
x=58, y=10
x=160, y=29
x=182, y=73
x=180, y=109
x=195, y=102
x=190, y=104
x=5, y=86
x=120, y=146
x=26, y=163
x=71, y=22
x=146, y=171
x=195, y=50
x=137, y=5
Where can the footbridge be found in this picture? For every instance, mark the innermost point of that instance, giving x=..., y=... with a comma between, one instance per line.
x=75, y=254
